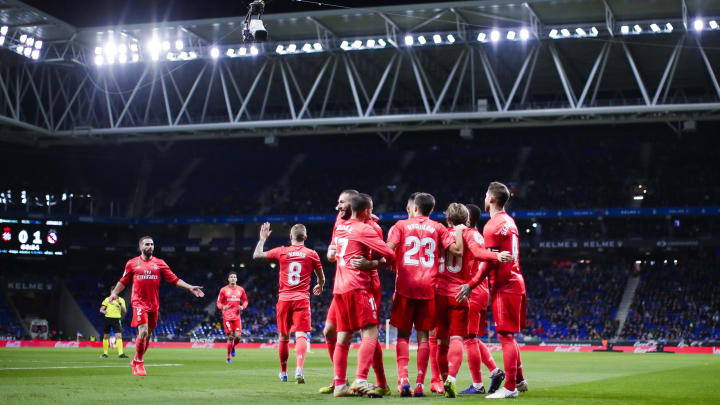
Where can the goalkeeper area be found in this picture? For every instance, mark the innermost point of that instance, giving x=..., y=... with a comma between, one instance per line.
x=36, y=375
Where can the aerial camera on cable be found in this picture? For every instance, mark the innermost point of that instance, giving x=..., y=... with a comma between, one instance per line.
x=253, y=27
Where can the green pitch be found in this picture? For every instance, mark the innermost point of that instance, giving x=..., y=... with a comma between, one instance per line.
x=79, y=376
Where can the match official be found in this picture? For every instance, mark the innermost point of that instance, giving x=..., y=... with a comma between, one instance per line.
x=114, y=312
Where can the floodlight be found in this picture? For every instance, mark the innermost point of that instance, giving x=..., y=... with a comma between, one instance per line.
x=214, y=52
x=317, y=46
x=307, y=48
x=345, y=45
x=409, y=40
x=99, y=60
x=35, y=54
x=482, y=37
x=713, y=24
x=421, y=40
x=655, y=28
x=524, y=34
x=511, y=35
x=357, y=44
x=669, y=27
x=437, y=39
x=280, y=49
x=553, y=33
x=370, y=43
x=625, y=29
x=637, y=28
x=565, y=32
x=253, y=50
x=4, y=30
x=698, y=25
x=495, y=36
x=581, y=32
x=451, y=38
x=179, y=45
x=292, y=48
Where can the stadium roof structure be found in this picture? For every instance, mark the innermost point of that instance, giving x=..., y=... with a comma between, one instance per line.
x=388, y=70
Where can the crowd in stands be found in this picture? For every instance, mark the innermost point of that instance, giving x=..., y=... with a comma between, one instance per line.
x=676, y=302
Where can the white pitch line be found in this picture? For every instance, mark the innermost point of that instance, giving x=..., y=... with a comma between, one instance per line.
x=67, y=367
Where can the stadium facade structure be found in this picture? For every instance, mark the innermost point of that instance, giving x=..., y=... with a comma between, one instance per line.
x=386, y=71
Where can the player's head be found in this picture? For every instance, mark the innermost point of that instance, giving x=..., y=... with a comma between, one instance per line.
x=497, y=196
x=232, y=278
x=475, y=212
x=424, y=204
x=343, y=203
x=146, y=246
x=298, y=233
x=457, y=214
x=361, y=206
x=410, y=206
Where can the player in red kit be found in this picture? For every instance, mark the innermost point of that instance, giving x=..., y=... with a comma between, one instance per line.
x=355, y=306
x=477, y=352
x=330, y=329
x=232, y=300
x=452, y=315
x=145, y=271
x=297, y=262
x=418, y=243
x=508, y=288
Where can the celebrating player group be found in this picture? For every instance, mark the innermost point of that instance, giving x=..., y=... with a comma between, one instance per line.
x=445, y=279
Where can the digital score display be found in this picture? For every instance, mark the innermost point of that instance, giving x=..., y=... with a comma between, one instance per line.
x=31, y=237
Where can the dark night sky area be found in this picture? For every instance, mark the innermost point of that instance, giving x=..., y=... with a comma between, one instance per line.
x=87, y=13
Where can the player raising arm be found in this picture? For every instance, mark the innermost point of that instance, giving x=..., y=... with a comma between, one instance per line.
x=297, y=262
x=232, y=300
x=144, y=271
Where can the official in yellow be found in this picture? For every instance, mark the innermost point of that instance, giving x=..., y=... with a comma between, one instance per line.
x=114, y=312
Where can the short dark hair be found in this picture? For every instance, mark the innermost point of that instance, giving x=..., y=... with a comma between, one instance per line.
x=298, y=232
x=475, y=213
x=457, y=214
x=500, y=193
x=360, y=202
x=425, y=203
x=143, y=238
x=351, y=192
x=413, y=195
x=231, y=273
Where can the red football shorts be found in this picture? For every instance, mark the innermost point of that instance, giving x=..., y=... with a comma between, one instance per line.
x=293, y=316
x=332, y=313
x=377, y=291
x=142, y=316
x=407, y=312
x=356, y=309
x=509, y=311
x=232, y=326
x=477, y=314
x=452, y=317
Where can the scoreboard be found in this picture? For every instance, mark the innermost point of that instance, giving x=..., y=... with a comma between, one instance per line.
x=31, y=237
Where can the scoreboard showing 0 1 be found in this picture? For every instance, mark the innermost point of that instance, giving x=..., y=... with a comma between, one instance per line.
x=31, y=237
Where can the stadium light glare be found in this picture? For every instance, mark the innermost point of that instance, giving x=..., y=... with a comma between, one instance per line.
x=99, y=60
x=166, y=45
x=370, y=43
x=253, y=50
x=27, y=51
x=242, y=51
x=230, y=52
x=713, y=24
x=553, y=33
x=122, y=58
x=179, y=45
x=495, y=35
x=2, y=40
x=30, y=42
x=135, y=57
x=381, y=43
x=637, y=28
x=699, y=24
x=409, y=40
x=638, y=198
x=317, y=46
x=134, y=47
x=451, y=38
x=524, y=34
x=625, y=29
x=345, y=45
x=122, y=48
x=307, y=48
x=511, y=35
x=422, y=40
x=292, y=48
x=4, y=30
x=35, y=54
x=214, y=52
x=98, y=50
x=565, y=32
x=482, y=37
x=19, y=49
x=155, y=56
x=23, y=38
x=581, y=32
x=655, y=27
x=437, y=38
x=594, y=31
x=357, y=44
x=669, y=27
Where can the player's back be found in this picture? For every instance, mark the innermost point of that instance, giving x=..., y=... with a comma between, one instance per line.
x=297, y=263
x=501, y=234
x=419, y=242
x=458, y=270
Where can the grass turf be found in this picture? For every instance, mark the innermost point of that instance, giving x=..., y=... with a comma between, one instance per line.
x=201, y=375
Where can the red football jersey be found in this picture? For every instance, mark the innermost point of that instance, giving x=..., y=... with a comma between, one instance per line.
x=483, y=289
x=374, y=225
x=419, y=242
x=145, y=276
x=354, y=238
x=458, y=270
x=297, y=263
x=501, y=234
x=234, y=298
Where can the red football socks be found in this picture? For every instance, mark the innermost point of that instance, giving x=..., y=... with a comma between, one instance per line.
x=402, y=352
x=432, y=342
x=340, y=360
x=455, y=355
x=474, y=362
x=139, y=349
x=487, y=358
x=236, y=341
x=511, y=358
x=300, y=351
x=331, y=347
x=442, y=360
x=423, y=355
x=229, y=347
x=378, y=366
x=519, y=376
x=365, y=357
x=284, y=352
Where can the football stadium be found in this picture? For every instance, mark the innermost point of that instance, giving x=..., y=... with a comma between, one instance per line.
x=299, y=201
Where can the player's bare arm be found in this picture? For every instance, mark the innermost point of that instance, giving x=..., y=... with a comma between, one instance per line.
x=361, y=263
x=264, y=235
x=332, y=250
x=103, y=310
x=456, y=249
x=317, y=290
x=119, y=287
x=194, y=289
